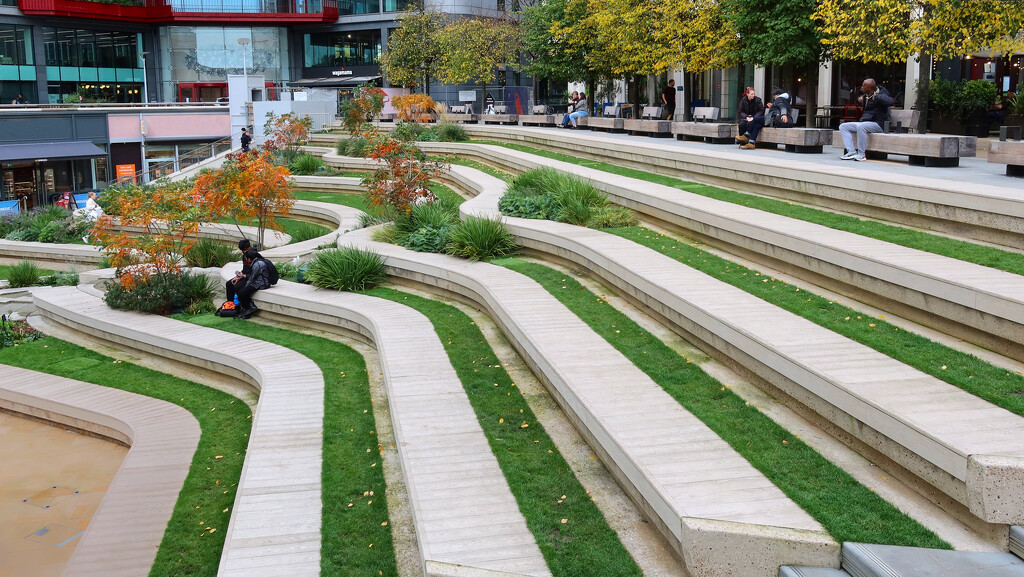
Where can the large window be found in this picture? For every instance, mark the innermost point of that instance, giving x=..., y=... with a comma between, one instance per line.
x=355, y=48
x=209, y=54
x=99, y=65
x=401, y=5
x=349, y=7
x=15, y=45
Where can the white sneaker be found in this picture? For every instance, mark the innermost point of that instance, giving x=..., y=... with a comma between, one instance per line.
x=860, y=158
x=849, y=156
x=85, y=239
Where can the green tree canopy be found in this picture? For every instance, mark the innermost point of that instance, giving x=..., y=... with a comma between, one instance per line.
x=414, y=52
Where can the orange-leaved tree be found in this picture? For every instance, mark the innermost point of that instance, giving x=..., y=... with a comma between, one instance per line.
x=414, y=107
x=401, y=179
x=286, y=132
x=155, y=226
x=249, y=187
x=362, y=108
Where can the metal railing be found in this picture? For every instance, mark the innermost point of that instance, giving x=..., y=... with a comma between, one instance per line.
x=161, y=169
x=107, y=106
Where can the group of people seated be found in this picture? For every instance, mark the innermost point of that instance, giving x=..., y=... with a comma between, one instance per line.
x=254, y=276
x=577, y=109
x=753, y=115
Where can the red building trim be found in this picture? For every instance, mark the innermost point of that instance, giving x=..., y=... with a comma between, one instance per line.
x=159, y=11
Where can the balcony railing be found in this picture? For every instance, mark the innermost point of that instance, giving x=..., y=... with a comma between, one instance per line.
x=190, y=11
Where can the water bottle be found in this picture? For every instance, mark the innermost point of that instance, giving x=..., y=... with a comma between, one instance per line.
x=236, y=301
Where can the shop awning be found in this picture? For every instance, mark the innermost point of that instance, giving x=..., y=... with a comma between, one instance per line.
x=338, y=82
x=49, y=151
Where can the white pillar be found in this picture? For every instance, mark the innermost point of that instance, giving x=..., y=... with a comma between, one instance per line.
x=910, y=96
x=825, y=84
x=759, y=86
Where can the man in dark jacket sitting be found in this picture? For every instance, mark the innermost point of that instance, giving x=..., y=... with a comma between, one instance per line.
x=749, y=108
x=258, y=279
x=876, y=102
x=778, y=115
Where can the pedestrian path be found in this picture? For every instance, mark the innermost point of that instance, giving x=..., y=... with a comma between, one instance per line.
x=275, y=522
x=125, y=532
x=710, y=503
x=462, y=507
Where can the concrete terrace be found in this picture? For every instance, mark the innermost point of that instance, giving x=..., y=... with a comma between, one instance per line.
x=720, y=515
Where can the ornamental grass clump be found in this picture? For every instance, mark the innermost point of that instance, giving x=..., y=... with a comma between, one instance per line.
x=427, y=227
x=308, y=231
x=478, y=238
x=545, y=193
x=306, y=164
x=182, y=291
x=355, y=146
x=346, y=269
x=206, y=253
x=450, y=132
x=23, y=274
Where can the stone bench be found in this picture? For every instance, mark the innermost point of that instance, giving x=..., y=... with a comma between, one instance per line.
x=710, y=132
x=125, y=532
x=795, y=139
x=463, y=114
x=649, y=124
x=500, y=116
x=538, y=117
x=937, y=150
x=681, y=474
x=968, y=448
x=1010, y=153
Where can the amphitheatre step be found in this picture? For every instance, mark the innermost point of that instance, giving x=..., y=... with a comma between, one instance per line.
x=55, y=256
x=125, y=532
x=341, y=218
x=276, y=515
x=967, y=447
x=714, y=508
x=790, y=571
x=866, y=560
x=978, y=202
x=977, y=303
x=482, y=530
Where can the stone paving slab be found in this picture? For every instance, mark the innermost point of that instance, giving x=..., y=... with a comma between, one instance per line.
x=945, y=426
x=123, y=536
x=759, y=518
x=440, y=443
x=984, y=305
x=291, y=402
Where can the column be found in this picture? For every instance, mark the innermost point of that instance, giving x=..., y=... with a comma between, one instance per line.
x=910, y=97
x=759, y=86
x=825, y=84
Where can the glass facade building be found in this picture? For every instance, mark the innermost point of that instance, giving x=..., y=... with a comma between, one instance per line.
x=355, y=48
x=17, y=70
x=98, y=64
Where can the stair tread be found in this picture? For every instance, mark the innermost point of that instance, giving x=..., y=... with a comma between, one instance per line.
x=864, y=560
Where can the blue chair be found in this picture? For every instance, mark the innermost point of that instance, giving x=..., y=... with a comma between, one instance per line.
x=80, y=199
x=10, y=207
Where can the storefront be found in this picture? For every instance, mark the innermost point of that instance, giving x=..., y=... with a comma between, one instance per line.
x=40, y=173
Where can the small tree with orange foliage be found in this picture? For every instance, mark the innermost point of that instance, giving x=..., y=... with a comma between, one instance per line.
x=358, y=112
x=414, y=107
x=156, y=226
x=249, y=187
x=401, y=179
x=286, y=132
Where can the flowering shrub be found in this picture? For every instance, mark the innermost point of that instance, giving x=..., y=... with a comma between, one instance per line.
x=414, y=107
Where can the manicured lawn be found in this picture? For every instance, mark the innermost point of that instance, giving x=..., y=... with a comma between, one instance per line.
x=356, y=532
x=342, y=198
x=5, y=269
x=848, y=510
x=928, y=242
x=542, y=482
x=188, y=548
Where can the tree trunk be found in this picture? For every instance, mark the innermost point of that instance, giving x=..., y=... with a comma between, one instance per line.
x=812, y=94
x=687, y=94
x=924, y=78
x=592, y=94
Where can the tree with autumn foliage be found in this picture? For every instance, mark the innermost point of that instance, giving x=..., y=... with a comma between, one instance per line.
x=891, y=31
x=474, y=49
x=414, y=107
x=706, y=38
x=401, y=178
x=414, y=52
x=155, y=226
x=249, y=187
x=360, y=110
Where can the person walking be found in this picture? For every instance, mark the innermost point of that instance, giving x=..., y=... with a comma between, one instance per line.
x=750, y=107
x=245, y=140
x=668, y=100
x=876, y=102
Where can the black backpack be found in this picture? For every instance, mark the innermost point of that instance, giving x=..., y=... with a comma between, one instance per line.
x=272, y=272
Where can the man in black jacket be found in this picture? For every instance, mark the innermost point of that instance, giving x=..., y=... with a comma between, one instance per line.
x=779, y=115
x=749, y=108
x=876, y=102
x=245, y=140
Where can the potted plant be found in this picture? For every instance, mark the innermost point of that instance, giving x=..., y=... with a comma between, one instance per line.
x=961, y=107
x=1015, y=108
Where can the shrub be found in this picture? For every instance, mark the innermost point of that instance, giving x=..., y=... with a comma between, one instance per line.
x=207, y=253
x=23, y=274
x=60, y=279
x=612, y=216
x=356, y=146
x=961, y=100
x=1016, y=104
x=428, y=239
x=12, y=333
x=308, y=230
x=481, y=239
x=408, y=131
x=451, y=132
x=346, y=269
x=306, y=164
x=162, y=294
x=427, y=135
x=542, y=206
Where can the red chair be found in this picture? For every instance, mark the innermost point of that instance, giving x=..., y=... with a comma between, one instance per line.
x=851, y=113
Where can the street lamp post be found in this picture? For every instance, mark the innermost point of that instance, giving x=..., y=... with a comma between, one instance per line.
x=145, y=85
x=243, y=42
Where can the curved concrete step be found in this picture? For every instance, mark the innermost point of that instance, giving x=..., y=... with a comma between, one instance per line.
x=865, y=560
x=125, y=532
x=481, y=529
x=717, y=511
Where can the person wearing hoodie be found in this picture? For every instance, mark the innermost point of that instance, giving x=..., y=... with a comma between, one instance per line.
x=779, y=115
x=876, y=102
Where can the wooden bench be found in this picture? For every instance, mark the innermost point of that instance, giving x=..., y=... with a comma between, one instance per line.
x=463, y=113
x=649, y=124
x=539, y=117
x=1010, y=153
x=795, y=139
x=922, y=149
x=500, y=116
x=704, y=127
x=610, y=122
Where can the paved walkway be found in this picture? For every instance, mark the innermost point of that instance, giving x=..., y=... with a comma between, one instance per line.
x=277, y=507
x=462, y=507
x=126, y=530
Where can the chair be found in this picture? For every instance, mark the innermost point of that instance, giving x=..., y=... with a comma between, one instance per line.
x=851, y=113
x=10, y=207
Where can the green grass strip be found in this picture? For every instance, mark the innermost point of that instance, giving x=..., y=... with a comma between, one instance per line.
x=5, y=271
x=208, y=493
x=848, y=510
x=536, y=472
x=936, y=244
x=353, y=199
x=351, y=454
x=994, y=384
x=485, y=168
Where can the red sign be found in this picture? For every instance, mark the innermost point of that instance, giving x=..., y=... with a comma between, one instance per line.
x=125, y=173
